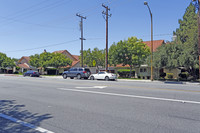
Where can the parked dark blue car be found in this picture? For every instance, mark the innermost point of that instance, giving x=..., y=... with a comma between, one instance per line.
x=31, y=73
x=77, y=72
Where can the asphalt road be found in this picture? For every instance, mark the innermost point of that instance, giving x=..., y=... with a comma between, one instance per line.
x=50, y=105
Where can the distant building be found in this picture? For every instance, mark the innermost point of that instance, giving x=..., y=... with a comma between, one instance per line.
x=75, y=58
x=24, y=64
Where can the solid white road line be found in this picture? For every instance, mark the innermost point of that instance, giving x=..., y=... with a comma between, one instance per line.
x=130, y=96
x=42, y=130
x=99, y=87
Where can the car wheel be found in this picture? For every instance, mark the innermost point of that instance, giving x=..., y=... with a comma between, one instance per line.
x=107, y=78
x=64, y=76
x=92, y=78
x=78, y=76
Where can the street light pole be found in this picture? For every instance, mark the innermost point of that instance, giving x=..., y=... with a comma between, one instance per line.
x=146, y=3
x=198, y=6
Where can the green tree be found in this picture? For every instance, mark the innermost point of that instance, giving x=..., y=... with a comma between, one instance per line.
x=35, y=60
x=132, y=52
x=59, y=60
x=45, y=57
x=167, y=56
x=99, y=57
x=111, y=56
x=6, y=61
x=94, y=58
x=87, y=58
x=2, y=58
x=187, y=34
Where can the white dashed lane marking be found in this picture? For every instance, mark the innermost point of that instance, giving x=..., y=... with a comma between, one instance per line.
x=130, y=96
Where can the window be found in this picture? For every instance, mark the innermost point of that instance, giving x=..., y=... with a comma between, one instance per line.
x=75, y=69
x=72, y=69
x=80, y=69
x=87, y=70
x=145, y=70
x=141, y=70
x=101, y=72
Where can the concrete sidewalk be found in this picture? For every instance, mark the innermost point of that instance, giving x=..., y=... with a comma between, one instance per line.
x=125, y=80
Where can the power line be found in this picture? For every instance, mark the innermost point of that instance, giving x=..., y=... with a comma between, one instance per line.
x=28, y=8
x=50, y=6
x=51, y=45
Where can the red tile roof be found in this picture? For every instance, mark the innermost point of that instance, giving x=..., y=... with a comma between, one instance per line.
x=62, y=51
x=76, y=57
x=156, y=44
x=74, y=63
x=23, y=65
x=26, y=58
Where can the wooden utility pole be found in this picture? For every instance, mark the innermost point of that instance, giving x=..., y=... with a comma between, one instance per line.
x=107, y=15
x=81, y=26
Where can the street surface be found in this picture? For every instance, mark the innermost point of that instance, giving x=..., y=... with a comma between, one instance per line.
x=55, y=105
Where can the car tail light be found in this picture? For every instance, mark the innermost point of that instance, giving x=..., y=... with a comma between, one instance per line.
x=84, y=72
x=33, y=72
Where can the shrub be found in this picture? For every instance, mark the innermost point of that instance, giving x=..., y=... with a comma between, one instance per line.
x=125, y=73
x=17, y=67
x=163, y=75
x=16, y=72
x=170, y=75
x=184, y=75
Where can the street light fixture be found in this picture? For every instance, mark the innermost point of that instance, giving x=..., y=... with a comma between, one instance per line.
x=198, y=6
x=146, y=3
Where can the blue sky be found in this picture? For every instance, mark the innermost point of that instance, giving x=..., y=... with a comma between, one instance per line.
x=27, y=27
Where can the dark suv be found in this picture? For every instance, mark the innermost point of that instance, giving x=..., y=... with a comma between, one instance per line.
x=31, y=73
x=77, y=72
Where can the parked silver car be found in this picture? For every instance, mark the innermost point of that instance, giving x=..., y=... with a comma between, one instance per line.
x=104, y=75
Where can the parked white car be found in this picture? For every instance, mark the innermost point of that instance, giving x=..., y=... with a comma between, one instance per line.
x=103, y=75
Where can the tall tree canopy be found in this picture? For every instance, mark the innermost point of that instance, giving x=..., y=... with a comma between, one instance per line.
x=183, y=52
x=187, y=35
x=47, y=59
x=6, y=61
x=59, y=60
x=94, y=58
x=168, y=56
x=132, y=52
x=35, y=60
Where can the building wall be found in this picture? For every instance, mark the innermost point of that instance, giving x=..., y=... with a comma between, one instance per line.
x=174, y=71
x=145, y=73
